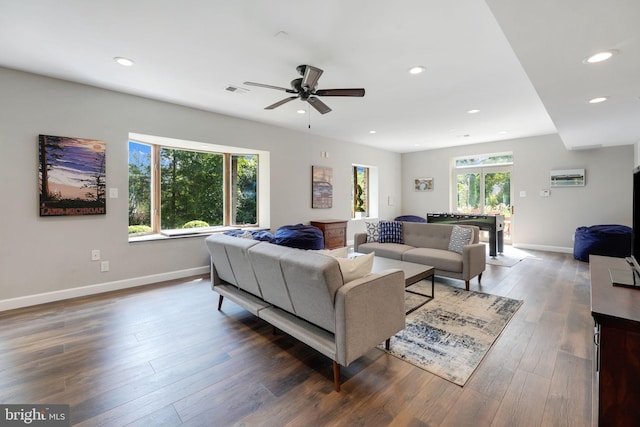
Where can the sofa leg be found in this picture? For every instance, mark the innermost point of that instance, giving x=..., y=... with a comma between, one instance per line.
x=220, y=302
x=479, y=278
x=336, y=375
x=466, y=284
x=387, y=344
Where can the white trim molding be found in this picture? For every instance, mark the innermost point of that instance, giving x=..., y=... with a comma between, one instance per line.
x=546, y=248
x=43, y=298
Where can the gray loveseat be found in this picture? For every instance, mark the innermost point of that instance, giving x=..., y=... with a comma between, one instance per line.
x=303, y=294
x=428, y=244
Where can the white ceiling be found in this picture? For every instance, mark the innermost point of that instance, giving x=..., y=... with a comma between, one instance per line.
x=518, y=61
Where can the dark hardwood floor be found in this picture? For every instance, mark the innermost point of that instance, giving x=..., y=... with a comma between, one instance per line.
x=162, y=355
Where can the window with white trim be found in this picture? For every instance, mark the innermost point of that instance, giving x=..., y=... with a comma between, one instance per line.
x=173, y=188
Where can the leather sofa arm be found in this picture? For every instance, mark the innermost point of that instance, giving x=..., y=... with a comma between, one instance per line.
x=358, y=239
x=368, y=311
x=473, y=260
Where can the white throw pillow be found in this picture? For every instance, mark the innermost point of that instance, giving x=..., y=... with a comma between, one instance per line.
x=373, y=231
x=460, y=236
x=342, y=252
x=356, y=267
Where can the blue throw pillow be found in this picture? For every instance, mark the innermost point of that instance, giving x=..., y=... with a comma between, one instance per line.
x=390, y=232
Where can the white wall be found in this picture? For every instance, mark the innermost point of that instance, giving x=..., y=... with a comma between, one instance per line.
x=43, y=259
x=539, y=222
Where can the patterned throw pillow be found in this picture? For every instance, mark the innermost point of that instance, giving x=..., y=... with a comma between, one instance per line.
x=391, y=232
x=460, y=236
x=373, y=231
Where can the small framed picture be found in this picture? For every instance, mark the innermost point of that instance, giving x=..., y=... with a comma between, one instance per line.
x=321, y=187
x=423, y=184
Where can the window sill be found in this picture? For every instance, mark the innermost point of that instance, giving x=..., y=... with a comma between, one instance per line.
x=184, y=233
x=365, y=218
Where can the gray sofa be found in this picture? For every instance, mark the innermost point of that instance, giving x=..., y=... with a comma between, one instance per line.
x=302, y=293
x=428, y=244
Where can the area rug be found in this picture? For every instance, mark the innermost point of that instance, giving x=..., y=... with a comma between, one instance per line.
x=450, y=335
x=414, y=301
x=510, y=257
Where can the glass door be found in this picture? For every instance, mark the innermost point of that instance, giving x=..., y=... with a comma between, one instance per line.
x=485, y=190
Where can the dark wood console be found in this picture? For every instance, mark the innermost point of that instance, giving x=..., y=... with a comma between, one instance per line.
x=616, y=312
x=335, y=232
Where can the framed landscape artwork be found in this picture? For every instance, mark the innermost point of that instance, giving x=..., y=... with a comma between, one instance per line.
x=568, y=178
x=71, y=174
x=321, y=187
x=423, y=184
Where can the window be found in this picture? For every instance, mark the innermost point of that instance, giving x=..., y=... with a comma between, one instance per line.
x=359, y=191
x=177, y=188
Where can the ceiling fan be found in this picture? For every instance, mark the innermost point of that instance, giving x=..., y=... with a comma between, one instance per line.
x=305, y=89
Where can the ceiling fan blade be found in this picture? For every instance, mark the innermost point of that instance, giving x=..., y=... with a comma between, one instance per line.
x=279, y=103
x=269, y=87
x=339, y=92
x=311, y=76
x=319, y=105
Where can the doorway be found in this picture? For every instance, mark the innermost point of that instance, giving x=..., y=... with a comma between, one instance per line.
x=483, y=186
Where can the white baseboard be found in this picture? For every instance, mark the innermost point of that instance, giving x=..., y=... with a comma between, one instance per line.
x=561, y=249
x=30, y=300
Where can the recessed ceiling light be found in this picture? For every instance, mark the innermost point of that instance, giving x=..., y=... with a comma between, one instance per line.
x=600, y=56
x=416, y=70
x=301, y=111
x=373, y=131
x=125, y=62
x=503, y=132
x=473, y=111
x=598, y=100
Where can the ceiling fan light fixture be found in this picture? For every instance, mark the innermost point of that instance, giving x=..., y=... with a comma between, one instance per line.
x=125, y=62
x=304, y=88
x=419, y=69
x=600, y=56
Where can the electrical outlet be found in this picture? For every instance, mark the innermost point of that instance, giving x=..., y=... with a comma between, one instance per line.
x=95, y=255
x=104, y=266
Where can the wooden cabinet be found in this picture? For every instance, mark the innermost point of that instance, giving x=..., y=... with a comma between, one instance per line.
x=335, y=232
x=616, y=312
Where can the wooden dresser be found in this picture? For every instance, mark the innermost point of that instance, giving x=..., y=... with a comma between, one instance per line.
x=335, y=232
x=616, y=312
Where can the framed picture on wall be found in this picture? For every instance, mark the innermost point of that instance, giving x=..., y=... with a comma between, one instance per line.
x=321, y=187
x=423, y=184
x=567, y=178
x=72, y=176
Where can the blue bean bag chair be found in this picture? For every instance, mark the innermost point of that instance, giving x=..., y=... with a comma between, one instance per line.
x=608, y=239
x=300, y=236
x=410, y=218
x=262, y=235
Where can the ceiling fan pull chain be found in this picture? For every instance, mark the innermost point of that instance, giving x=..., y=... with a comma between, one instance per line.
x=309, y=109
